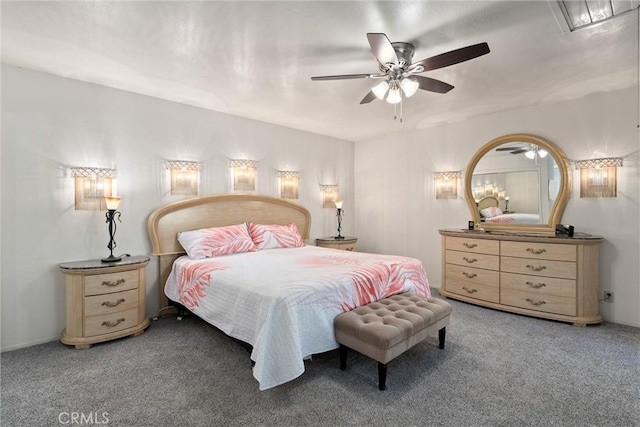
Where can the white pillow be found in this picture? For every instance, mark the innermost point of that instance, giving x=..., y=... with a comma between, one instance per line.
x=490, y=212
x=217, y=241
x=275, y=236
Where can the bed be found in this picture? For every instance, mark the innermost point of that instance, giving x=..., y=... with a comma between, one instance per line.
x=280, y=301
x=489, y=209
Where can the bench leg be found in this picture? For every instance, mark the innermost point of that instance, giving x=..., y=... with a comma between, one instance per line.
x=382, y=376
x=441, y=335
x=343, y=357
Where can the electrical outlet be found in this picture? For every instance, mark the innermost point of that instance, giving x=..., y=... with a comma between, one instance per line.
x=608, y=296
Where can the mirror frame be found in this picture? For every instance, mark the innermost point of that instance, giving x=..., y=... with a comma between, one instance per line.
x=563, y=192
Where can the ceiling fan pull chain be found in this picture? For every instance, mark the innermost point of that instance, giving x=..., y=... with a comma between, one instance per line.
x=400, y=108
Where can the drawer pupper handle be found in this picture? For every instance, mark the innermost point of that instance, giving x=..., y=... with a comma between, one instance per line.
x=111, y=284
x=536, y=251
x=469, y=275
x=113, y=304
x=535, y=285
x=469, y=245
x=471, y=291
x=534, y=302
x=110, y=324
x=470, y=260
x=534, y=268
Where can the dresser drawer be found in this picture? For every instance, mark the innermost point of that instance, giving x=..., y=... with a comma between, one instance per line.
x=490, y=247
x=98, y=284
x=473, y=282
x=110, y=303
x=488, y=262
x=538, y=285
x=539, y=251
x=539, y=267
x=540, y=302
x=107, y=323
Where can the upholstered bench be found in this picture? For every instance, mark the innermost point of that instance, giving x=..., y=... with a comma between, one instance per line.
x=385, y=329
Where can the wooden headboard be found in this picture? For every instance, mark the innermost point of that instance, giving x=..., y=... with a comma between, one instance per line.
x=216, y=210
x=488, y=202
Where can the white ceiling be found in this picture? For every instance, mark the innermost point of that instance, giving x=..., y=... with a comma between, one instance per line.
x=255, y=59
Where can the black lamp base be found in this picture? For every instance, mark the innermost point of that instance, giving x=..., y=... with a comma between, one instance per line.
x=111, y=258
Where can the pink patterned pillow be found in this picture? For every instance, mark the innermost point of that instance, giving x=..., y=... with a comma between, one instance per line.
x=490, y=212
x=275, y=236
x=217, y=241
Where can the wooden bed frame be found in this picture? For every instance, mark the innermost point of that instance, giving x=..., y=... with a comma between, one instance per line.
x=216, y=210
x=488, y=202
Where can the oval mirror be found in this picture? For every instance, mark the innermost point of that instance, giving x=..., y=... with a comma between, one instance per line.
x=517, y=183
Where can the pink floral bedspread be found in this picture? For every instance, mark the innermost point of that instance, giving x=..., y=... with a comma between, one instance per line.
x=283, y=301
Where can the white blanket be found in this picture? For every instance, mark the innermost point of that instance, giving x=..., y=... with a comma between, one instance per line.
x=283, y=301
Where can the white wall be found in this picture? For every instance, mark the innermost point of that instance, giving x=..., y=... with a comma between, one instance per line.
x=396, y=209
x=50, y=123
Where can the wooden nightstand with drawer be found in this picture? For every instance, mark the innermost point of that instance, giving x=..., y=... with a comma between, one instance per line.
x=105, y=301
x=345, y=244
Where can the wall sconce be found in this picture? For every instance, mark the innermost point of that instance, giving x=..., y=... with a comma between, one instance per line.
x=91, y=186
x=446, y=184
x=184, y=177
x=289, y=184
x=329, y=195
x=598, y=177
x=244, y=174
x=112, y=214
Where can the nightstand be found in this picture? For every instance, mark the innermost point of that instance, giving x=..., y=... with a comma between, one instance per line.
x=105, y=301
x=346, y=244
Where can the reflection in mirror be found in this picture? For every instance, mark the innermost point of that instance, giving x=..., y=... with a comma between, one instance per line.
x=517, y=181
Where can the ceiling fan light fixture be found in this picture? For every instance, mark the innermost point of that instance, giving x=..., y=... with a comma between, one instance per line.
x=380, y=90
x=394, y=96
x=409, y=86
x=530, y=154
x=542, y=153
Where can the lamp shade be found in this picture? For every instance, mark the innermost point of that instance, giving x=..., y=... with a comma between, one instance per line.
x=380, y=90
x=394, y=96
x=339, y=204
x=112, y=202
x=409, y=86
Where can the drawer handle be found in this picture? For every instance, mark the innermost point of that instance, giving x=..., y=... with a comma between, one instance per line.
x=471, y=291
x=469, y=245
x=470, y=260
x=534, y=268
x=110, y=324
x=469, y=275
x=536, y=251
x=534, y=302
x=111, y=284
x=535, y=285
x=348, y=249
x=113, y=304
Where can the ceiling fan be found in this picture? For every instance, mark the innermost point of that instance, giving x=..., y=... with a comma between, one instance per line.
x=530, y=151
x=399, y=74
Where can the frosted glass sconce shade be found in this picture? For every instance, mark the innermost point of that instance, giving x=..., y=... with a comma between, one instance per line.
x=446, y=184
x=598, y=177
x=329, y=195
x=184, y=177
x=244, y=174
x=91, y=186
x=289, y=184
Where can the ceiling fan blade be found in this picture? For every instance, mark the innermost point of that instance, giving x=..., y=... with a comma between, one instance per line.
x=450, y=58
x=343, y=77
x=368, y=98
x=382, y=48
x=508, y=148
x=521, y=150
x=432, y=85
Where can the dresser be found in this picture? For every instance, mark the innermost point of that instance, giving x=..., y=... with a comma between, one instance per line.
x=550, y=277
x=346, y=244
x=105, y=301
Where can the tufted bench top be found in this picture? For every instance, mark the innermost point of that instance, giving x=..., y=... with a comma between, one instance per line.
x=392, y=320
